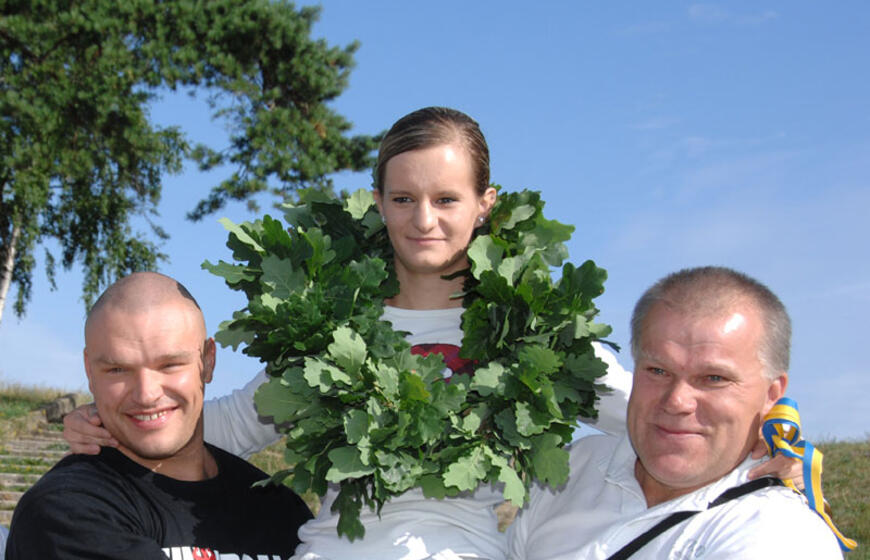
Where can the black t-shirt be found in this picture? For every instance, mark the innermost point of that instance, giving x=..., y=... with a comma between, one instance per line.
x=107, y=506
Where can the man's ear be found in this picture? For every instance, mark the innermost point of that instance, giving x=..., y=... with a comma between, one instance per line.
x=776, y=391
x=208, y=360
x=88, y=370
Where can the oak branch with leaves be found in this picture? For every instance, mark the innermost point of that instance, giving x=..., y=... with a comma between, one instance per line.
x=359, y=409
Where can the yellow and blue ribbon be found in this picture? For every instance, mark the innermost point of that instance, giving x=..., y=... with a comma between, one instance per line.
x=782, y=434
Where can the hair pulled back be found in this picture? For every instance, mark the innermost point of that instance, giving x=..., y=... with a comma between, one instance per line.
x=435, y=126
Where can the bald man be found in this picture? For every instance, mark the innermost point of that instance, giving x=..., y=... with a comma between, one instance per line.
x=163, y=492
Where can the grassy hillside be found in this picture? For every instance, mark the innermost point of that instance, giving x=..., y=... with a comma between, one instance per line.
x=17, y=401
x=846, y=476
x=846, y=483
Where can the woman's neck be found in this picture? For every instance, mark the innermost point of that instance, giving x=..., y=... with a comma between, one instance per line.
x=425, y=291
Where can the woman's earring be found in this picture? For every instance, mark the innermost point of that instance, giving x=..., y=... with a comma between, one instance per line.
x=383, y=219
x=480, y=220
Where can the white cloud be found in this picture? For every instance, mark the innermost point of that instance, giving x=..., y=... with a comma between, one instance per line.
x=853, y=290
x=711, y=13
x=656, y=123
x=707, y=13
x=756, y=19
x=645, y=28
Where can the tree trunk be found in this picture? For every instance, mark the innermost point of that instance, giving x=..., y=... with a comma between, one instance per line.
x=7, y=265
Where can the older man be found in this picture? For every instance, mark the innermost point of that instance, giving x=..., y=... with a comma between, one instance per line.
x=163, y=492
x=711, y=351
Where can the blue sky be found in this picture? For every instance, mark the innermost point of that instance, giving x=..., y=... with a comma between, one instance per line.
x=670, y=134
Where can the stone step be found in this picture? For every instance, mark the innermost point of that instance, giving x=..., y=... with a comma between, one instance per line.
x=24, y=447
x=48, y=437
x=11, y=495
x=5, y=517
x=34, y=445
x=46, y=454
x=18, y=479
x=42, y=442
x=8, y=504
x=34, y=454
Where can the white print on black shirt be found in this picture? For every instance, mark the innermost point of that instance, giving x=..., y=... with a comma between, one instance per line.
x=196, y=553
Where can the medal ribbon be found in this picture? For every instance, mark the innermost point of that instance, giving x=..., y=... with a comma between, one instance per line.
x=782, y=434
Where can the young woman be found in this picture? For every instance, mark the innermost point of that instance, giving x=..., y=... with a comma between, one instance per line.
x=432, y=189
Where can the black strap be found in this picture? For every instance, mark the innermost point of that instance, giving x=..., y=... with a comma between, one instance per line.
x=745, y=488
x=680, y=516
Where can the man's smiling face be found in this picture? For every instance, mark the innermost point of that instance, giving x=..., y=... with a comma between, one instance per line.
x=147, y=370
x=698, y=396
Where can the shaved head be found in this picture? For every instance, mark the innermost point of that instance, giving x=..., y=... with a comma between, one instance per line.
x=148, y=359
x=140, y=292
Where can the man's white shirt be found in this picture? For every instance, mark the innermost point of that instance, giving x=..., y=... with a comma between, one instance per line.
x=602, y=508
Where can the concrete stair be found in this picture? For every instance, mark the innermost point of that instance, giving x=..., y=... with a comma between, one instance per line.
x=25, y=459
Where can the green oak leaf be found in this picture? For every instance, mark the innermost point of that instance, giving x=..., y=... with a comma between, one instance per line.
x=348, y=350
x=387, y=380
x=276, y=400
x=282, y=277
x=514, y=489
x=346, y=464
x=484, y=255
x=549, y=459
x=231, y=335
x=240, y=234
x=488, y=379
x=348, y=506
x=412, y=388
x=356, y=426
x=233, y=274
x=323, y=375
x=539, y=359
x=358, y=203
x=519, y=214
x=433, y=487
x=530, y=421
x=466, y=472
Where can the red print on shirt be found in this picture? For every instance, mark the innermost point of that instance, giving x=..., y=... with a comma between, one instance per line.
x=203, y=554
x=450, y=355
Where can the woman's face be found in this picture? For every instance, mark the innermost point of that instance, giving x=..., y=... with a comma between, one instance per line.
x=431, y=207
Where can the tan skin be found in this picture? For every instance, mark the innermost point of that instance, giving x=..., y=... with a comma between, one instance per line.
x=147, y=368
x=698, y=397
x=431, y=207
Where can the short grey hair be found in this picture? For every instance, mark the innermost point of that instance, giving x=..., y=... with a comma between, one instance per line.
x=711, y=289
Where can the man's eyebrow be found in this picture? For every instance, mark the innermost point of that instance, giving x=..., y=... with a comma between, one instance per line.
x=107, y=360
x=169, y=357
x=180, y=355
x=649, y=356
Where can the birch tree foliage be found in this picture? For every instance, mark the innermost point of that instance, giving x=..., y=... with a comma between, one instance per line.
x=80, y=161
